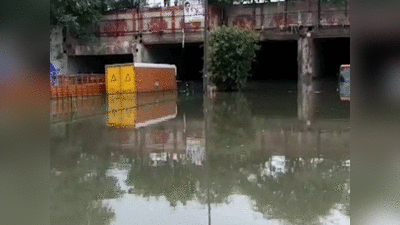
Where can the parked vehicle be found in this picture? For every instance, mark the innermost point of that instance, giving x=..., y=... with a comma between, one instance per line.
x=344, y=82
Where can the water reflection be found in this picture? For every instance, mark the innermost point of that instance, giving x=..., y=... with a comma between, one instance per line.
x=78, y=184
x=140, y=109
x=151, y=160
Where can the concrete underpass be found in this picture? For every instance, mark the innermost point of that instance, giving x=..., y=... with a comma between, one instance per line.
x=330, y=53
x=276, y=60
x=95, y=63
x=187, y=58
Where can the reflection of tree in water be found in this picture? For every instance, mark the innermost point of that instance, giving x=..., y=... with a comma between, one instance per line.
x=232, y=147
x=232, y=129
x=302, y=195
x=76, y=193
x=234, y=164
x=182, y=183
x=177, y=183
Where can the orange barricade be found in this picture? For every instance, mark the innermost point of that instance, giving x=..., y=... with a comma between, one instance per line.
x=89, y=89
x=65, y=91
x=79, y=90
x=69, y=90
x=59, y=91
x=94, y=89
x=78, y=85
x=98, y=91
x=53, y=91
x=84, y=90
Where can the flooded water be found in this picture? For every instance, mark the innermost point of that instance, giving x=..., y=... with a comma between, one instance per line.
x=183, y=158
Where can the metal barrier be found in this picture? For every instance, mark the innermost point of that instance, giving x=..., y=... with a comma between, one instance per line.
x=78, y=85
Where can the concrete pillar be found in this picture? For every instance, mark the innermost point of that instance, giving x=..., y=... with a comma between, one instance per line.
x=138, y=56
x=145, y=54
x=306, y=71
x=57, y=55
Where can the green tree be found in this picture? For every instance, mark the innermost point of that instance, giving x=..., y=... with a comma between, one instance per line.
x=232, y=51
x=79, y=16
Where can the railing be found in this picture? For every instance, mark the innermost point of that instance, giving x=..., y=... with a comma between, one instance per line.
x=164, y=25
x=152, y=25
x=77, y=85
x=285, y=20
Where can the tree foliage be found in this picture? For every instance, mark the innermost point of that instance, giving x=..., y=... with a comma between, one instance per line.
x=79, y=16
x=231, y=53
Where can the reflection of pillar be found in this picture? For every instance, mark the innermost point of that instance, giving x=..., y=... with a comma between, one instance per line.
x=306, y=72
x=319, y=143
x=208, y=117
x=175, y=140
x=205, y=66
x=142, y=142
x=67, y=131
x=285, y=136
x=262, y=141
x=136, y=145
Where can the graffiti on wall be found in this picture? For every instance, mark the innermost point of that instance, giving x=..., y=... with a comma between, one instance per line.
x=246, y=22
x=157, y=25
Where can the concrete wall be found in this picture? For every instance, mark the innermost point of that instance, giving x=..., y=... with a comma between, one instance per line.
x=279, y=15
x=57, y=56
x=120, y=32
x=123, y=31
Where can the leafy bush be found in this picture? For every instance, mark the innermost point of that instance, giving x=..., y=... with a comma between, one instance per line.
x=231, y=53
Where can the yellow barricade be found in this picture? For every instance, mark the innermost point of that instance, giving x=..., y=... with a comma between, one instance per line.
x=120, y=79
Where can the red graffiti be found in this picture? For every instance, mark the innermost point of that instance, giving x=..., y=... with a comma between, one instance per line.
x=110, y=28
x=330, y=19
x=246, y=22
x=278, y=20
x=157, y=25
x=114, y=28
x=215, y=17
x=121, y=27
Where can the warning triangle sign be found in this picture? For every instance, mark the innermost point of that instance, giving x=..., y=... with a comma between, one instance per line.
x=128, y=78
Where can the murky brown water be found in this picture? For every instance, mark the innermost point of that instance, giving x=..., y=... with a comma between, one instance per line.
x=177, y=158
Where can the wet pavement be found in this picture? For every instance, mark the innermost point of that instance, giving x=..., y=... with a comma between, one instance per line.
x=182, y=158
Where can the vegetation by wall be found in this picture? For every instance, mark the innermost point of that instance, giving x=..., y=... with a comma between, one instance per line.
x=231, y=53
